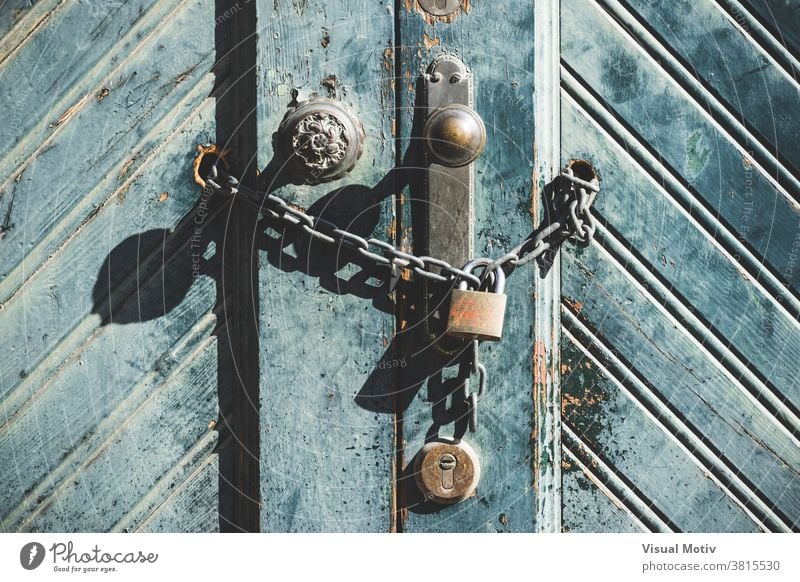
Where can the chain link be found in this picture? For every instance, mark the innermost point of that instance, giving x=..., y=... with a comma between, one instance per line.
x=569, y=210
x=570, y=206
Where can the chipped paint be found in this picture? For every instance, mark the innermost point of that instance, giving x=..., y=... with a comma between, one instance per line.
x=69, y=112
x=430, y=42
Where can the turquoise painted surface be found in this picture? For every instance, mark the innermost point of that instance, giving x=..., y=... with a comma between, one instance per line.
x=680, y=396
x=504, y=192
x=110, y=366
x=327, y=444
x=682, y=318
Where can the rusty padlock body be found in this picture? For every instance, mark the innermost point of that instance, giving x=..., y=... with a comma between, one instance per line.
x=478, y=314
x=447, y=470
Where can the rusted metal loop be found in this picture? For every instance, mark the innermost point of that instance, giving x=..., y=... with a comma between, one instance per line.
x=202, y=152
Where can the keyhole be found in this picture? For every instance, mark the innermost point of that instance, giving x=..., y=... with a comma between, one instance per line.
x=447, y=463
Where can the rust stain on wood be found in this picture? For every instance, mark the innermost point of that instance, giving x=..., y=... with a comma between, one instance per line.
x=125, y=168
x=429, y=41
x=540, y=365
x=574, y=304
x=388, y=59
x=69, y=112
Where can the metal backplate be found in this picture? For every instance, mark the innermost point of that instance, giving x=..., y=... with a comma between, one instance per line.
x=440, y=7
x=447, y=471
x=450, y=191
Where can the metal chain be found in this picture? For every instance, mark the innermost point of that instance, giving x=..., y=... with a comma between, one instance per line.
x=570, y=207
x=473, y=367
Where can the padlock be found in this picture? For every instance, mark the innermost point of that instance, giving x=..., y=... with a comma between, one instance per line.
x=447, y=470
x=478, y=314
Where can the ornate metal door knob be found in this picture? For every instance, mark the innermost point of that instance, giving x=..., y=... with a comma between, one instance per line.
x=321, y=140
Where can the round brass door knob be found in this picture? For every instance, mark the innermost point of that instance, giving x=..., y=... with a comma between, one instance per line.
x=454, y=135
x=321, y=140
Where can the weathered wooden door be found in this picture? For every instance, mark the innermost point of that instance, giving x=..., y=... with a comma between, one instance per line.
x=680, y=338
x=174, y=361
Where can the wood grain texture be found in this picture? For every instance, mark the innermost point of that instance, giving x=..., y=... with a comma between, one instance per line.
x=714, y=61
x=684, y=376
x=654, y=467
x=132, y=461
x=191, y=506
x=504, y=191
x=327, y=444
x=547, y=286
x=709, y=159
x=687, y=299
x=780, y=19
x=696, y=271
x=589, y=508
x=120, y=130
x=109, y=368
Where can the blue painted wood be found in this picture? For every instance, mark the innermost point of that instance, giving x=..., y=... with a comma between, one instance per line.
x=327, y=442
x=656, y=469
x=137, y=461
x=682, y=374
x=187, y=507
x=145, y=98
x=734, y=75
x=589, y=509
x=698, y=270
x=110, y=371
x=680, y=398
x=780, y=19
x=504, y=195
x=682, y=131
x=686, y=306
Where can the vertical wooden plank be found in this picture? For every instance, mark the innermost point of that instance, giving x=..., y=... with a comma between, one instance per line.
x=547, y=286
x=110, y=366
x=237, y=131
x=326, y=446
x=479, y=35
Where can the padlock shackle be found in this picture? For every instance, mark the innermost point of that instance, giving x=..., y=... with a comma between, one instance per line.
x=499, y=285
